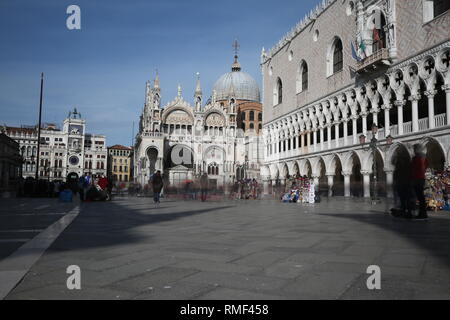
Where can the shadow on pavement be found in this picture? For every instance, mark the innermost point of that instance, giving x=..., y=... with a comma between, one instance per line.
x=106, y=224
x=432, y=235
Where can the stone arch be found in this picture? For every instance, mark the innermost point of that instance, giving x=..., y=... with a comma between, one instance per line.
x=274, y=172
x=334, y=168
x=352, y=167
x=395, y=150
x=367, y=166
x=305, y=167
x=435, y=153
x=283, y=170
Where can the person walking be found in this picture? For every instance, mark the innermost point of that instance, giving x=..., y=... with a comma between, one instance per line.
x=203, y=186
x=402, y=185
x=157, y=184
x=419, y=165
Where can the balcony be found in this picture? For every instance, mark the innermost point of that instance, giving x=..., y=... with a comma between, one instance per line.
x=440, y=120
x=373, y=61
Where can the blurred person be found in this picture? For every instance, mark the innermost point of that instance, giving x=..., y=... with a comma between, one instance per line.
x=419, y=165
x=157, y=185
x=402, y=185
x=203, y=186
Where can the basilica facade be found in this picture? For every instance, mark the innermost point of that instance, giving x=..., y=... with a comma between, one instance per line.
x=349, y=67
x=220, y=136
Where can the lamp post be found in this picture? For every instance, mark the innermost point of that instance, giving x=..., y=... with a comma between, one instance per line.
x=373, y=146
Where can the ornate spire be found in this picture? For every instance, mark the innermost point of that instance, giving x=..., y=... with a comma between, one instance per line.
x=179, y=91
x=198, y=88
x=198, y=94
x=236, y=66
x=156, y=82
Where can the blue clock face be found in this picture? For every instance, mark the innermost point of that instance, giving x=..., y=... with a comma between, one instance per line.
x=73, y=160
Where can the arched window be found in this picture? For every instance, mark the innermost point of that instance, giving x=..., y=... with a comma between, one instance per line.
x=243, y=116
x=278, y=92
x=334, y=57
x=337, y=57
x=302, y=77
x=259, y=126
x=243, y=126
x=305, y=76
x=252, y=126
x=252, y=115
x=260, y=116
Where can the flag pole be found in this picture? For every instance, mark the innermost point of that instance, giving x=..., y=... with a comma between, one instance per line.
x=39, y=129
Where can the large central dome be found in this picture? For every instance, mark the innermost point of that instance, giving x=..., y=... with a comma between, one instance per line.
x=236, y=84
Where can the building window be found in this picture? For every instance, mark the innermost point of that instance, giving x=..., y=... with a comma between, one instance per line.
x=434, y=8
x=252, y=115
x=243, y=126
x=278, y=92
x=302, y=77
x=334, y=57
x=243, y=116
x=337, y=57
x=260, y=116
x=252, y=126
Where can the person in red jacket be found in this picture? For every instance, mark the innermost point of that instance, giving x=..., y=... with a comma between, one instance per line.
x=419, y=165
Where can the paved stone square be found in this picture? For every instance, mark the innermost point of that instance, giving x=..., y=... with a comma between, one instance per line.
x=129, y=249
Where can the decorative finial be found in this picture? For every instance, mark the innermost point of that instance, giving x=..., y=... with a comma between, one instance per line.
x=236, y=47
x=236, y=66
x=179, y=90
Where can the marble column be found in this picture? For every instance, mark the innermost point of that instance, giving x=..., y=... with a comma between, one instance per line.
x=400, y=104
x=364, y=124
x=346, y=183
x=329, y=135
x=321, y=139
x=355, y=129
x=316, y=183
x=387, y=121
x=336, y=134
x=389, y=183
x=415, y=112
x=430, y=95
x=366, y=183
x=266, y=186
x=447, y=102
x=330, y=178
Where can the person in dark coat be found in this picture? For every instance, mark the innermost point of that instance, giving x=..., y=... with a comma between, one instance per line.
x=418, y=167
x=203, y=186
x=157, y=184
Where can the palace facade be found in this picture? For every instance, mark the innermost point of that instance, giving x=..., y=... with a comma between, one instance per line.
x=348, y=67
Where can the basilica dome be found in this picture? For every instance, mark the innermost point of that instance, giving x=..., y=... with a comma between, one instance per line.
x=236, y=84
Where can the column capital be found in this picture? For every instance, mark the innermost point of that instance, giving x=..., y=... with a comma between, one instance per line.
x=446, y=88
x=430, y=93
x=365, y=173
x=387, y=106
x=330, y=174
x=415, y=97
x=346, y=173
x=400, y=103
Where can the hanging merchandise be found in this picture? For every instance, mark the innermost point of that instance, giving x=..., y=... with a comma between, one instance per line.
x=437, y=189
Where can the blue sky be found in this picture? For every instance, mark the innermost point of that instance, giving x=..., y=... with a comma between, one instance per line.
x=102, y=68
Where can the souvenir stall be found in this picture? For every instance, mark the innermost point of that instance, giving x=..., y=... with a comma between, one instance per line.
x=437, y=190
x=300, y=190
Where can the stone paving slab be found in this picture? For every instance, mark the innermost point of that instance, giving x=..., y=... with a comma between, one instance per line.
x=234, y=250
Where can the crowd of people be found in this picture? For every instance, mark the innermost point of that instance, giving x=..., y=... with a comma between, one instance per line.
x=87, y=187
